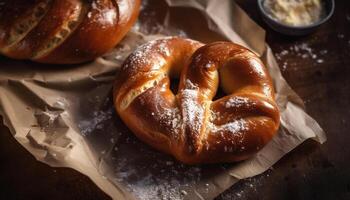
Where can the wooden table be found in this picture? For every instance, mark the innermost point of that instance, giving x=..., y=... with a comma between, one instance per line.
x=316, y=66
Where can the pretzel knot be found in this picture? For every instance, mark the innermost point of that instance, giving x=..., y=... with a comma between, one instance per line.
x=190, y=125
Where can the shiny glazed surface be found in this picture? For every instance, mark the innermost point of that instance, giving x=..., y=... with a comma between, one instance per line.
x=63, y=31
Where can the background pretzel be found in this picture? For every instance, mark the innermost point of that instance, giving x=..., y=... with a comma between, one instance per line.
x=190, y=125
x=63, y=31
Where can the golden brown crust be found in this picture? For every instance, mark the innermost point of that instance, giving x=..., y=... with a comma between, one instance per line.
x=70, y=31
x=19, y=18
x=190, y=125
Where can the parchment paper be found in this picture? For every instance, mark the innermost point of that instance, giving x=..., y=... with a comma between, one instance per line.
x=64, y=116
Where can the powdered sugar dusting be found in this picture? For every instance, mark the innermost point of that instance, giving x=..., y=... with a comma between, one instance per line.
x=235, y=129
x=166, y=116
x=191, y=109
x=236, y=126
x=140, y=55
x=163, y=48
x=152, y=53
x=172, y=118
x=237, y=102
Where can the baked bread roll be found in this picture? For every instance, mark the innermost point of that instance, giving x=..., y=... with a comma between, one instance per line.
x=63, y=31
x=190, y=125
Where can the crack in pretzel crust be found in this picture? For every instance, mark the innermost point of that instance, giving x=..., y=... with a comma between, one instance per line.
x=63, y=31
x=190, y=125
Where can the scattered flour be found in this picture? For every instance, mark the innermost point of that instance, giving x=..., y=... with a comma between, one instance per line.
x=247, y=189
x=159, y=178
x=96, y=122
x=302, y=50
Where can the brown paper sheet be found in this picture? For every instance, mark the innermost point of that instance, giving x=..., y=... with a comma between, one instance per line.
x=64, y=115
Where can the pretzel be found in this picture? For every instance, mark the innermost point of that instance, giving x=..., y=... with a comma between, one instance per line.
x=190, y=125
x=63, y=31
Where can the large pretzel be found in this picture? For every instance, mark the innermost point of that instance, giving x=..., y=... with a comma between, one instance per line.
x=63, y=31
x=190, y=125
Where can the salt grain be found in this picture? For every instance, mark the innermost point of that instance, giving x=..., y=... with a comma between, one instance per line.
x=324, y=52
x=169, y=163
x=341, y=36
x=319, y=60
x=284, y=52
x=284, y=66
x=208, y=65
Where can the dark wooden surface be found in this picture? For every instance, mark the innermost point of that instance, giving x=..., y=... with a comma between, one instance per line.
x=311, y=171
